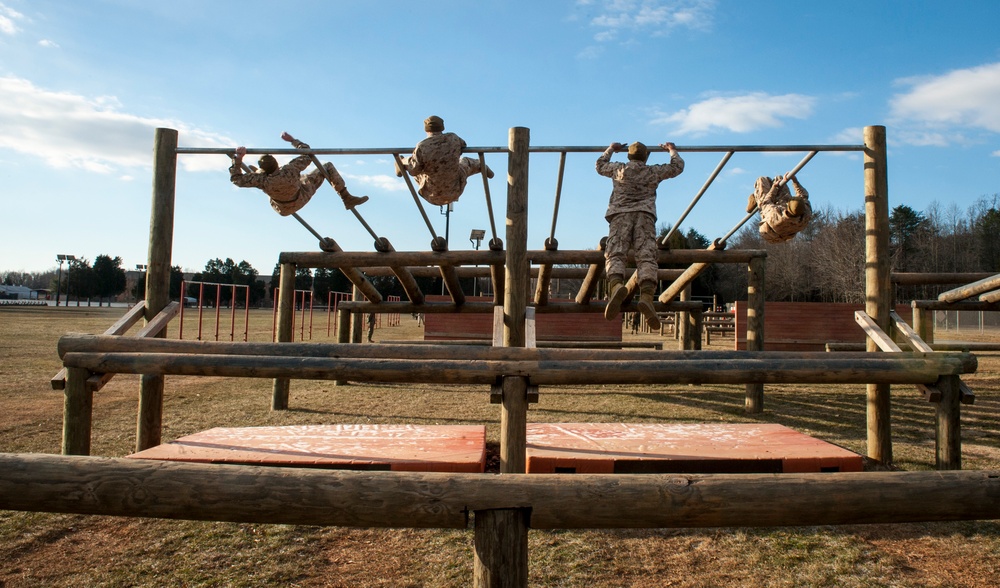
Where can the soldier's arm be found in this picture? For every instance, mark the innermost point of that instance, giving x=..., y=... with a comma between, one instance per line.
x=799, y=190
x=300, y=163
x=604, y=165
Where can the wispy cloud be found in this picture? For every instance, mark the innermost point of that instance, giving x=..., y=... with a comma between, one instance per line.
x=624, y=20
x=8, y=16
x=48, y=43
x=68, y=130
x=738, y=114
x=937, y=109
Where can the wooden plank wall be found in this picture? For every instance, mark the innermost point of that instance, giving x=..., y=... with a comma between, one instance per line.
x=807, y=326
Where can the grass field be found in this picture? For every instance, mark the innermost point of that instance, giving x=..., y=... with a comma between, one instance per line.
x=70, y=550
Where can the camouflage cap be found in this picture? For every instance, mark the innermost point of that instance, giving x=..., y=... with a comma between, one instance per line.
x=638, y=152
x=433, y=124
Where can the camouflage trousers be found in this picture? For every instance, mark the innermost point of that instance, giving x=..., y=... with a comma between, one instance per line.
x=635, y=231
x=308, y=185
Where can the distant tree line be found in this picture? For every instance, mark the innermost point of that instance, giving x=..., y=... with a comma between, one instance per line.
x=824, y=263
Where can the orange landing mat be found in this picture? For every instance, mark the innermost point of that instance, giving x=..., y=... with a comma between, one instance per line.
x=680, y=448
x=437, y=448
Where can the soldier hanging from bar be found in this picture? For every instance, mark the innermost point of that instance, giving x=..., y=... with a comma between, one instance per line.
x=782, y=215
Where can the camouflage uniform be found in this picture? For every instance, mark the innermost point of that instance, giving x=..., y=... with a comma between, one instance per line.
x=440, y=169
x=288, y=189
x=776, y=225
x=631, y=212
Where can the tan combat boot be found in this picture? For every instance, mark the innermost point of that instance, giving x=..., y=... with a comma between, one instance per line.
x=645, y=305
x=618, y=292
x=351, y=201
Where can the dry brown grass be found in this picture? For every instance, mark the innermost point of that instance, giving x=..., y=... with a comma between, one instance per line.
x=69, y=550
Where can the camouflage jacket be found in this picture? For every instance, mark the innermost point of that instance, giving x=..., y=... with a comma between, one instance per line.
x=635, y=183
x=283, y=186
x=436, y=166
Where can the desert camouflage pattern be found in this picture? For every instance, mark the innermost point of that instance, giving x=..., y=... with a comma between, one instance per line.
x=635, y=231
x=634, y=183
x=439, y=168
x=776, y=225
x=631, y=213
x=288, y=189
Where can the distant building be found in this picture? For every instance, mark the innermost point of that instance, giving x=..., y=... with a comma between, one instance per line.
x=18, y=293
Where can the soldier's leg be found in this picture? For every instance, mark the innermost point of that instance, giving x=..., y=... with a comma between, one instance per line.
x=473, y=166
x=338, y=184
x=615, y=253
x=645, y=250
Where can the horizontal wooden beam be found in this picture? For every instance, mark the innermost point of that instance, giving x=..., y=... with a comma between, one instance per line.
x=304, y=496
x=879, y=368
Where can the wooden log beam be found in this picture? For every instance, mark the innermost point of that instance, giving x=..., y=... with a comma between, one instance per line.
x=935, y=278
x=970, y=290
x=898, y=368
x=960, y=305
x=444, y=350
x=238, y=493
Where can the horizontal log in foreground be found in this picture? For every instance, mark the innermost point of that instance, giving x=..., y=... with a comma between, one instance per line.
x=303, y=496
x=878, y=368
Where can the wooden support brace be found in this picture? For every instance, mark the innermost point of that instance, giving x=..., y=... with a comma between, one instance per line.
x=970, y=290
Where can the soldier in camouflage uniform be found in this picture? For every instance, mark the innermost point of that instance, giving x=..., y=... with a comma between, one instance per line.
x=631, y=215
x=438, y=165
x=782, y=216
x=288, y=189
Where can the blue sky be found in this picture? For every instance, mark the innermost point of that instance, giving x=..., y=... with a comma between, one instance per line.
x=83, y=85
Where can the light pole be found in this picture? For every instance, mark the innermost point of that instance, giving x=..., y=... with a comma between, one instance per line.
x=141, y=268
x=61, y=257
x=476, y=238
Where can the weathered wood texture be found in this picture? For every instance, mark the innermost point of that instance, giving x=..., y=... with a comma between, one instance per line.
x=147, y=488
x=550, y=326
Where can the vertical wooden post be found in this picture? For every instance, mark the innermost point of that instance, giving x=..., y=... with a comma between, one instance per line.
x=694, y=329
x=343, y=334
x=877, y=283
x=501, y=548
x=514, y=405
x=149, y=417
x=948, y=432
x=78, y=408
x=681, y=324
x=357, y=318
x=923, y=322
x=286, y=313
x=754, y=402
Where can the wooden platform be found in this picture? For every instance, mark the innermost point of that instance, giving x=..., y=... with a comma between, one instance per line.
x=414, y=448
x=680, y=448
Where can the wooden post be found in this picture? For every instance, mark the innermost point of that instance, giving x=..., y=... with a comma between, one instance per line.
x=501, y=548
x=948, y=430
x=681, y=324
x=286, y=312
x=149, y=417
x=343, y=334
x=923, y=323
x=357, y=319
x=754, y=402
x=514, y=405
x=878, y=287
x=78, y=406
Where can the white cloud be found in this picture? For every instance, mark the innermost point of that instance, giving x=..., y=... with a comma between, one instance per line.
x=937, y=105
x=48, y=43
x=7, y=17
x=68, y=130
x=383, y=182
x=738, y=114
x=655, y=17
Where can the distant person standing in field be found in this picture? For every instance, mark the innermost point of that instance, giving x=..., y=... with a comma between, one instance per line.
x=782, y=215
x=631, y=216
x=438, y=165
x=288, y=189
x=371, y=325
